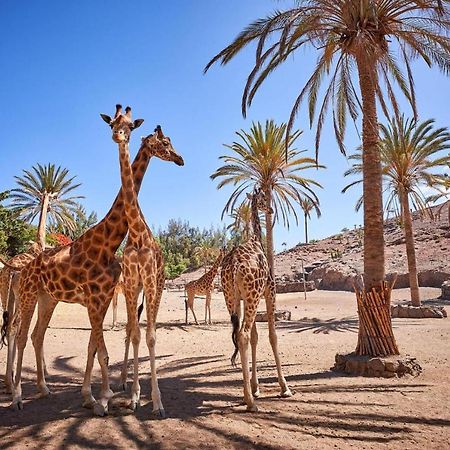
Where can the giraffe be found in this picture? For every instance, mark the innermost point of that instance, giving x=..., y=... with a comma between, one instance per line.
x=8, y=281
x=202, y=286
x=85, y=272
x=143, y=261
x=246, y=276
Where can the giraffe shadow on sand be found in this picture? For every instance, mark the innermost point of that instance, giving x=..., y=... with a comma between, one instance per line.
x=202, y=395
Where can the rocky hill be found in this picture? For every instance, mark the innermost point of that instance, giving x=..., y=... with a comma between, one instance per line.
x=333, y=262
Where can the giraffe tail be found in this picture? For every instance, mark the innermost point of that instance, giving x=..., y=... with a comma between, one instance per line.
x=234, y=336
x=4, y=329
x=141, y=307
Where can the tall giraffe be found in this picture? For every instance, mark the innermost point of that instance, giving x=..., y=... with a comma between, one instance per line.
x=85, y=272
x=202, y=286
x=143, y=261
x=246, y=276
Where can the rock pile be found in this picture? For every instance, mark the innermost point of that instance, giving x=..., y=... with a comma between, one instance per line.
x=388, y=367
x=418, y=312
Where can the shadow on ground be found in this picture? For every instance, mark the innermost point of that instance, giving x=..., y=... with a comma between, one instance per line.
x=196, y=389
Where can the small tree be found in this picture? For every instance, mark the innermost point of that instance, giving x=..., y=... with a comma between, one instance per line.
x=15, y=234
x=308, y=205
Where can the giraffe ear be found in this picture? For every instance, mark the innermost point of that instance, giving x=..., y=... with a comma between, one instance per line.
x=137, y=123
x=106, y=118
x=249, y=196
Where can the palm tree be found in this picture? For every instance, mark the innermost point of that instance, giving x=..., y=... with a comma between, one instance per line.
x=308, y=205
x=358, y=43
x=242, y=221
x=260, y=162
x=206, y=254
x=44, y=192
x=81, y=223
x=409, y=155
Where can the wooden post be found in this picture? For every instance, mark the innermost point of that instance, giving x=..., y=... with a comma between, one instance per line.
x=304, y=280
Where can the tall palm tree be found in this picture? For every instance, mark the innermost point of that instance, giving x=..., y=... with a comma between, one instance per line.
x=308, y=205
x=45, y=192
x=359, y=42
x=260, y=161
x=410, y=155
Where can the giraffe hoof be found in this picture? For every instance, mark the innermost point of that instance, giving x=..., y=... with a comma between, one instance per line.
x=256, y=393
x=17, y=405
x=44, y=392
x=135, y=404
x=286, y=393
x=99, y=410
x=252, y=408
x=88, y=404
x=159, y=413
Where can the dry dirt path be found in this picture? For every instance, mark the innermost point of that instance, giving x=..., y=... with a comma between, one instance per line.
x=201, y=392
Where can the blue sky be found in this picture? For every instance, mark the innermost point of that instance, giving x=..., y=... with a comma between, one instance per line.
x=66, y=62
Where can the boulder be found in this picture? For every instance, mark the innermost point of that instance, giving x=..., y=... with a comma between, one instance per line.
x=261, y=316
x=445, y=288
x=295, y=286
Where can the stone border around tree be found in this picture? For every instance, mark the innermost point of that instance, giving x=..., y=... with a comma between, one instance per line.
x=261, y=316
x=418, y=312
x=369, y=366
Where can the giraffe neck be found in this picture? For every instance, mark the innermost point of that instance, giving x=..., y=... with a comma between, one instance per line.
x=132, y=211
x=213, y=271
x=112, y=229
x=255, y=221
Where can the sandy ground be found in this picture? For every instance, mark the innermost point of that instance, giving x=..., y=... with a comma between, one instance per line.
x=201, y=392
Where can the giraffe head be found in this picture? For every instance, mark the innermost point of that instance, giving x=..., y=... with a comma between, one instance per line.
x=259, y=198
x=122, y=125
x=160, y=146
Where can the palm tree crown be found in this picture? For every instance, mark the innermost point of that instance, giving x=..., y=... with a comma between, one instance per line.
x=260, y=161
x=348, y=34
x=409, y=157
x=46, y=185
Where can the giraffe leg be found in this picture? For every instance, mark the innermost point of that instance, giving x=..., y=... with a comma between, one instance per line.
x=96, y=318
x=153, y=297
x=88, y=399
x=270, y=297
x=208, y=307
x=191, y=297
x=131, y=290
x=12, y=350
x=114, y=310
x=10, y=299
x=21, y=325
x=243, y=345
x=254, y=343
x=133, y=335
x=46, y=306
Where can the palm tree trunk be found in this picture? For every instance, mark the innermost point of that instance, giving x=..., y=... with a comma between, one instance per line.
x=410, y=250
x=269, y=232
x=306, y=228
x=375, y=336
x=43, y=220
